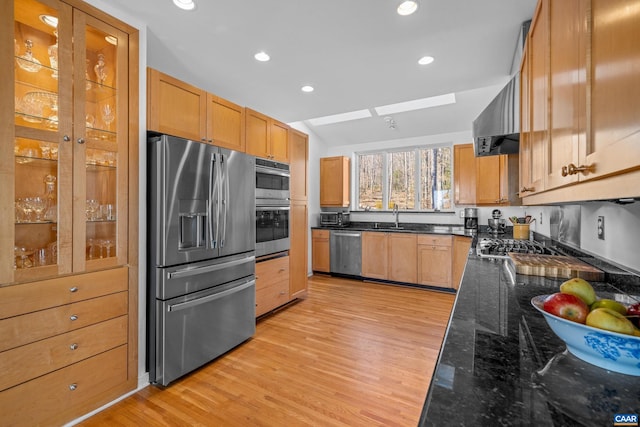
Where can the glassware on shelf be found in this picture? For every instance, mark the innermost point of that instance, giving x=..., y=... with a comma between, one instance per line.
x=27, y=61
x=37, y=205
x=53, y=56
x=51, y=212
x=26, y=209
x=92, y=209
x=108, y=115
x=100, y=69
x=23, y=254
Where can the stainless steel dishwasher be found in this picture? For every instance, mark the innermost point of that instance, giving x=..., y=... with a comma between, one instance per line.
x=346, y=252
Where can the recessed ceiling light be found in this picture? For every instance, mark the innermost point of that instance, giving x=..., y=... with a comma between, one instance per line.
x=425, y=60
x=407, y=7
x=262, y=56
x=185, y=4
x=337, y=118
x=111, y=40
x=51, y=21
x=416, y=104
x=307, y=88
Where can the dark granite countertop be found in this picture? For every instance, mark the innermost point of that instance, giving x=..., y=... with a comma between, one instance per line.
x=500, y=363
x=418, y=228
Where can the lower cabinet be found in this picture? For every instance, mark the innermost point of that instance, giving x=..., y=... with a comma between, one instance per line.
x=375, y=255
x=320, y=251
x=434, y=260
x=403, y=258
x=64, y=347
x=461, y=246
x=272, y=284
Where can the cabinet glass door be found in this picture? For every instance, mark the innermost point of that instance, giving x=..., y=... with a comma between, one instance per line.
x=42, y=161
x=100, y=129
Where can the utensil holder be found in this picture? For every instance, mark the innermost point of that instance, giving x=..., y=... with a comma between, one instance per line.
x=521, y=231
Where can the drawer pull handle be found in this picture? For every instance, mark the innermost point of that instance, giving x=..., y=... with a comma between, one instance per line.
x=73, y=346
x=282, y=292
x=282, y=269
x=73, y=289
x=73, y=386
x=73, y=317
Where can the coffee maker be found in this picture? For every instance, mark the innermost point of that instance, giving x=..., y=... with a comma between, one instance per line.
x=471, y=219
x=496, y=223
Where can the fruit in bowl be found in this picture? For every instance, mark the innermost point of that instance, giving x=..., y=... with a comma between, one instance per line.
x=609, y=350
x=580, y=288
x=567, y=306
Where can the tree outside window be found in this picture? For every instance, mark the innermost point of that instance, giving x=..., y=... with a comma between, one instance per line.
x=417, y=179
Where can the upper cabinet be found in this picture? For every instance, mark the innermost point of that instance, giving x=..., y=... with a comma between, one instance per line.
x=299, y=160
x=334, y=181
x=66, y=170
x=180, y=109
x=266, y=137
x=486, y=180
x=583, y=98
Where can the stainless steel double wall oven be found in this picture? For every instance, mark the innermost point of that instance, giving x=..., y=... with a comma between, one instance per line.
x=272, y=207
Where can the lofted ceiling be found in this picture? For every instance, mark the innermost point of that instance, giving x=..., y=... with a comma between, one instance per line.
x=357, y=54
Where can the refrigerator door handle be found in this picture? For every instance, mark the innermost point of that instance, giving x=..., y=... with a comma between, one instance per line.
x=213, y=200
x=209, y=298
x=194, y=271
x=225, y=198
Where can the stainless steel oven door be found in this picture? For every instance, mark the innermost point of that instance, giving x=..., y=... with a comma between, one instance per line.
x=272, y=229
x=272, y=182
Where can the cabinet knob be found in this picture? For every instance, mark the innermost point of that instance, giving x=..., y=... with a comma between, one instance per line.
x=80, y=140
x=73, y=386
x=66, y=138
x=73, y=346
x=73, y=317
x=73, y=289
x=282, y=292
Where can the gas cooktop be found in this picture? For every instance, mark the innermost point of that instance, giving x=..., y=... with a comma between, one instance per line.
x=500, y=248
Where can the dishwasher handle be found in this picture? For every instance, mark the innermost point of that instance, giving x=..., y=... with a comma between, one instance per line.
x=209, y=298
x=342, y=234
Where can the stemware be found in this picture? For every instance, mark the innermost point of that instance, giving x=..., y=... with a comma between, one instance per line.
x=27, y=61
x=50, y=195
x=26, y=208
x=108, y=115
x=100, y=69
x=53, y=56
x=37, y=205
x=24, y=254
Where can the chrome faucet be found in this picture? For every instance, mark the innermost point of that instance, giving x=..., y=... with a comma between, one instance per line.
x=396, y=212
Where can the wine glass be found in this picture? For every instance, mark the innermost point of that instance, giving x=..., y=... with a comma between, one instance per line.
x=38, y=205
x=27, y=61
x=100, y=69
x=108, y=115
x=108, y=245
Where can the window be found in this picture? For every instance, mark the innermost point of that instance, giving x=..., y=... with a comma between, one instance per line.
x=417, y=179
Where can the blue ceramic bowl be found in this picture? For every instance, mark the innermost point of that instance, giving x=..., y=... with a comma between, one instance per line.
x=609, y=350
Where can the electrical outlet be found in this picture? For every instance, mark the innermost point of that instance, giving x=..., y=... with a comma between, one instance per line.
x=601, y=227
x=540, y=218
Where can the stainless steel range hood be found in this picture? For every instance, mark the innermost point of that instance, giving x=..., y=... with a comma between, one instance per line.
x=497, y=128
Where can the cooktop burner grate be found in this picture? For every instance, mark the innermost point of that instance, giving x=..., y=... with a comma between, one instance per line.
x=499, y=248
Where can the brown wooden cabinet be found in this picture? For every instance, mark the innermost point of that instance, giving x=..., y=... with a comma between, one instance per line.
x=585, y=120
x=434, y=260
x=461, y=246
x=180, y=109
x=68, y=251
x=299, y=215
x=320, y=251
x=403, y=258
x=272, y=284
x=485, y=180
x=375, y=255
x=334, y=181
x=298, y=162
x=266, y=137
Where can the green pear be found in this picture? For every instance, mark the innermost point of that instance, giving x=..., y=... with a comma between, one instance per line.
x=611, y=304
x=580, y=288
x=610, y=320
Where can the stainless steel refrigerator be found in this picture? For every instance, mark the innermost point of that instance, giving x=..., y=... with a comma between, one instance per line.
x=201, y=209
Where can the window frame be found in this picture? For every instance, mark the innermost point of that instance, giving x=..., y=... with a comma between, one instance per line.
x=385, y=176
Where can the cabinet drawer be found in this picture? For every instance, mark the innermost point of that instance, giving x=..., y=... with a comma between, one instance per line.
x=272, y=296
x=434, y=240
x=29, y=297
x=30, y=361
x=51, y=399
x=320, y=234
x=21, y=330
x=272, y=271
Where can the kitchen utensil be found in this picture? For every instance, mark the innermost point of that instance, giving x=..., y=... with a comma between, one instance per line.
x=554, y=266
x=527, y=219
x=605, y=349
x=513, y=219
x=521, y=231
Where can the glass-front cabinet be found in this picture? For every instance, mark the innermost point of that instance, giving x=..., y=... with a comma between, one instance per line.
x=64, y=162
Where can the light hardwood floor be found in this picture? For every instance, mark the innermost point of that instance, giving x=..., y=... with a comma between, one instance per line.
x=351, y=354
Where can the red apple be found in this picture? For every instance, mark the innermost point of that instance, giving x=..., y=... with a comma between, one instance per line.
x=567, y=306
